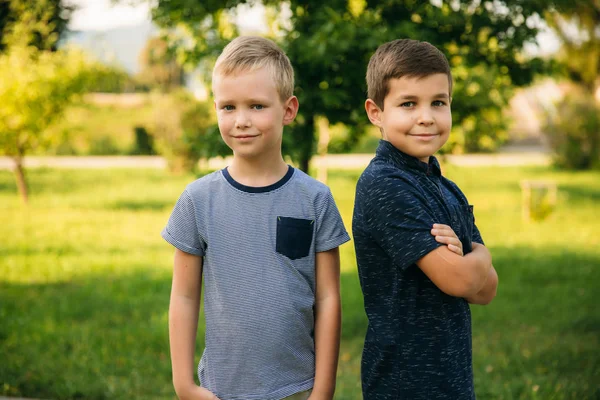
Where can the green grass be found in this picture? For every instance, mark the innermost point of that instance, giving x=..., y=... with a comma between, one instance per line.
x=85, y=281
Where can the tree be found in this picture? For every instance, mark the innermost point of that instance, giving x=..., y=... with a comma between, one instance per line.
x=184, y=130
x=57, y=20
x=580, y=52
x=158, y=66
x=330, y=43
x=35, y=86
x=573, y=125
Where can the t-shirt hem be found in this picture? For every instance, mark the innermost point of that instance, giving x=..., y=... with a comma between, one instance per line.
x=278, y=394
x=332, y=243
x=181, y=246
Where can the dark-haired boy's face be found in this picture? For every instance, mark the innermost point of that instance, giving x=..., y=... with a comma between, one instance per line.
x=416, y=116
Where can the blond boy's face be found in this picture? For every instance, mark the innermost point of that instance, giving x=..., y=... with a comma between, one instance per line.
x=416, y=116
x=251, y=114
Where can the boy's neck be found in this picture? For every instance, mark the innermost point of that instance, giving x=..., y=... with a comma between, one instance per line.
x=257, y=172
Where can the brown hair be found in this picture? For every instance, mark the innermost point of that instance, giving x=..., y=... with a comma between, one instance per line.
x=249, y=53
x=403, y=57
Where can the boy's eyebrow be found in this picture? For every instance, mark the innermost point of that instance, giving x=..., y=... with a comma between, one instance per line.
x=413, y=97
x=251, y=100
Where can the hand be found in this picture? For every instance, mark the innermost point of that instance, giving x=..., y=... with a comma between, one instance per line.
x=317, y=397
x=444, y=234
x=197, y=393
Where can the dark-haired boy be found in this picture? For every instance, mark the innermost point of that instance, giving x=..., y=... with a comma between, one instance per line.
x=420, y=257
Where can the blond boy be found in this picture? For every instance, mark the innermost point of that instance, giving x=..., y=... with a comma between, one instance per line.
x=263, y=237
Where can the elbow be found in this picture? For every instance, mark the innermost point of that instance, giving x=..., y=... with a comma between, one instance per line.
x=491, y=288
x=468, y=283
x=467, y=286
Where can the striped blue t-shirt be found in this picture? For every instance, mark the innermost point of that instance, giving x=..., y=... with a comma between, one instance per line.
x=258, y=247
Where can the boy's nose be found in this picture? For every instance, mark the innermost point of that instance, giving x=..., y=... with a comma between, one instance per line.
x=242, y=121
x=425, y=117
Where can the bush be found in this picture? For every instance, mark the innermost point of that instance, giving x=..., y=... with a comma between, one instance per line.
x=104, y=146
x=184, y=130
x=573, y=130
x=109, y=79
x=144, y=143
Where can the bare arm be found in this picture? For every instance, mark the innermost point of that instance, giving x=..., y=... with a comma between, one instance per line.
x=488, y=291
x=327, y=323
x=455, y=275
x=183, y=324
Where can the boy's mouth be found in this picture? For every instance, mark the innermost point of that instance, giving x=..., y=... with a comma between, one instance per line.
x=423, y=135
x=245, y=136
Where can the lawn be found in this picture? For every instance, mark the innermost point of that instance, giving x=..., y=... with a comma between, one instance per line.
x=85, y=281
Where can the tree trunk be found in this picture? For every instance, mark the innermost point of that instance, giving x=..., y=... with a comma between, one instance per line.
x=21, y=180
x=307, y=145
x=322, y=146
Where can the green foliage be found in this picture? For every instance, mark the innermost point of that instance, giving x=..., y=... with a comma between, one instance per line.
x=577, y=24
x=35, y=89
x=109, y=79
x=159, y=69
x=144, y=143
x=36, y=83
x=541, y=204
x=54, y=13
x=330, y=43
x=183, y=130
x=573, y=130
x=85, y=280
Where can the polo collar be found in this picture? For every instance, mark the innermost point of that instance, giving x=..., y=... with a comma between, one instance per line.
x=387, y=151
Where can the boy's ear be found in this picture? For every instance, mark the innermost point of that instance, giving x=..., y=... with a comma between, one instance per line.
x=373, y=112
x=290, y=110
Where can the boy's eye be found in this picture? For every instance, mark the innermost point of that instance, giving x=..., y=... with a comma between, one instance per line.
x=438, y=103
x=408, y=104
x=258, y=106
x=228, y=108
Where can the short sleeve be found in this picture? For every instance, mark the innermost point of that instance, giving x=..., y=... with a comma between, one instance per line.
x=330, y=230
x=476, y=236
x=182, y=230
x=400, y=220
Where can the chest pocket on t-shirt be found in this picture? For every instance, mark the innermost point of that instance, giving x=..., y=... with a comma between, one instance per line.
x=462, y=224
x=294, y=237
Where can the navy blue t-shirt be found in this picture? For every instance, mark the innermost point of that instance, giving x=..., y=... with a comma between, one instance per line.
x=418, y=343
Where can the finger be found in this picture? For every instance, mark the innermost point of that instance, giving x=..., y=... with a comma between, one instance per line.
x=455, y=249
x=444, y=231
x=449, y=240
x=441, y=226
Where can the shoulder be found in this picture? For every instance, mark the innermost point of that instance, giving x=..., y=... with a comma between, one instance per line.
x=383, y=180
x=200, y=185
x=302, y=183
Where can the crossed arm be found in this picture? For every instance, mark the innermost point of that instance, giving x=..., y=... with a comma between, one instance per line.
x=470, y=276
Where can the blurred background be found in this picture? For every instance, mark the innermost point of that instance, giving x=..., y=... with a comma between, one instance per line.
x=106, y=115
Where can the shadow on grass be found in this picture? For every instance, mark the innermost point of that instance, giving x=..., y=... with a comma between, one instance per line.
x=101, y=337
x=105, y=336
x=540, y=336
x=580, y=193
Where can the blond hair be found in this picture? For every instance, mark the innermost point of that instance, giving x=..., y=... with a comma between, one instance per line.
x=403, y=57
x=249, y=53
